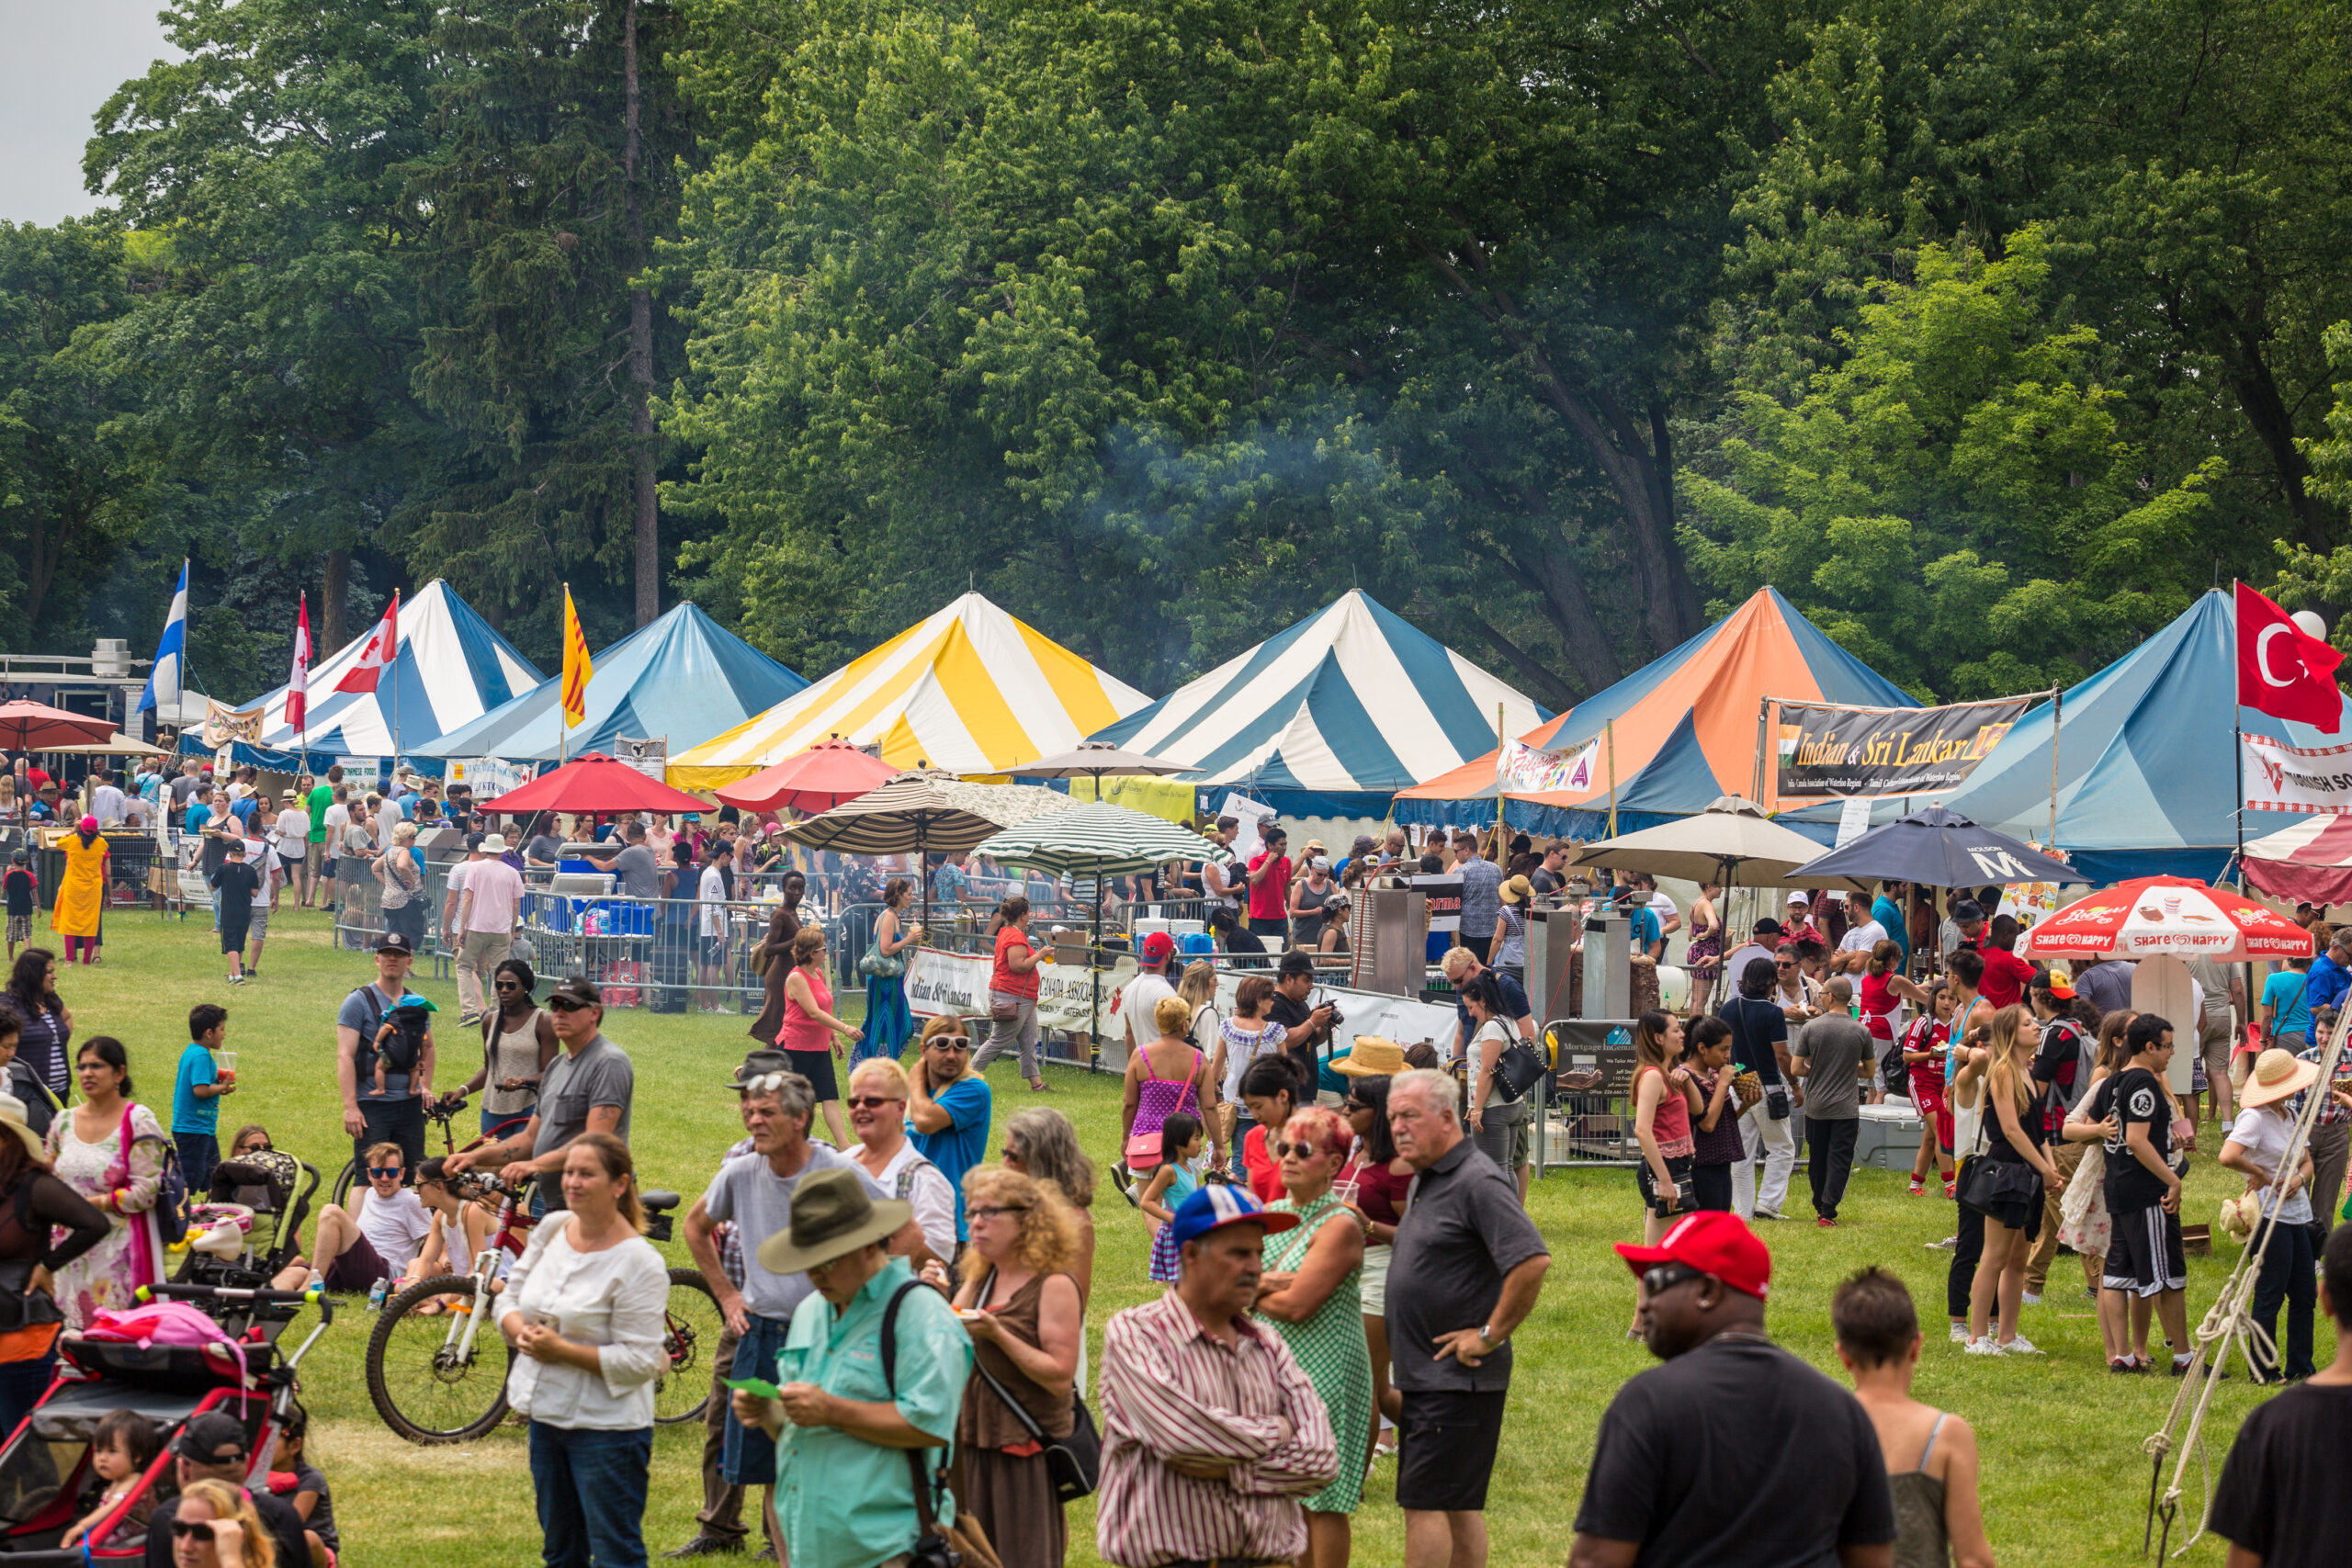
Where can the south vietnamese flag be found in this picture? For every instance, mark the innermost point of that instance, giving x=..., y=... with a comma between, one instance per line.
x=577, y=666
x=2283, y=671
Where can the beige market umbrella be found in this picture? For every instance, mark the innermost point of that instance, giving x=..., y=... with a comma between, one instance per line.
x=923, y=811
x=1731, y=842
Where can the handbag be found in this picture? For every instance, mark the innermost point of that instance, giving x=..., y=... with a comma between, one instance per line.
x=1776, y=1101
x=1003, y=1012
x=877, y=965
x=1075, y=1462
x=1986, y=1183
x=1520, y=1068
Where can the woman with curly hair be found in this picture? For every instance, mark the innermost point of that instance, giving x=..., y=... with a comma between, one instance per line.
x=1027, y=1318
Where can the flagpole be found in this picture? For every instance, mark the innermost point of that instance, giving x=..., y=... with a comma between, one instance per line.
x=562, y=713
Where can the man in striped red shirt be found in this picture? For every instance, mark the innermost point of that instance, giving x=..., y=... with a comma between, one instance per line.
x=1211, y=1433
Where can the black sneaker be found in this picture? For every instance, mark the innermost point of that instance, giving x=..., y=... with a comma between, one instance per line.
x=709, y=1546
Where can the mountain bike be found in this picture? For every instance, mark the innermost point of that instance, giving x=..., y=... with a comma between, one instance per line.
x=350, y=1176
x=437, y=1364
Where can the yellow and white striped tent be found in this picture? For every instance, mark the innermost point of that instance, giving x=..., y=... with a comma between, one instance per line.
x=970, y=690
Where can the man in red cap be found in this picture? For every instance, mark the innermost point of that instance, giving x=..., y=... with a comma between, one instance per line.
x=1733, y=1451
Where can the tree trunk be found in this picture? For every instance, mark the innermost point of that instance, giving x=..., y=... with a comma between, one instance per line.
x=641, y=356
x=335, y=598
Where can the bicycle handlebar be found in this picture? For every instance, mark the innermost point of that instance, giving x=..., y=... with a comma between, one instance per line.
x=258, y=1296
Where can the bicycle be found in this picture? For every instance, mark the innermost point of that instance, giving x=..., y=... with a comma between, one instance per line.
x=442, y=1111
x=441, y=1377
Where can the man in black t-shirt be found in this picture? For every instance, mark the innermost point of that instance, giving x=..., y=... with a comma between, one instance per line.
x=1734, y=1450
x=1308, y=1025
x=1759, y=1044
x=2146, y=1271
x=235, y=884
x=212, y=1446
x=2282, y=1499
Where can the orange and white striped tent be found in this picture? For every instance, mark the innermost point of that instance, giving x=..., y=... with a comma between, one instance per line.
x=970, y=690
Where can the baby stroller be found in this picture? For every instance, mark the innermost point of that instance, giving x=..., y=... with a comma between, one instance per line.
x=250, y=1222
x=170, y=1377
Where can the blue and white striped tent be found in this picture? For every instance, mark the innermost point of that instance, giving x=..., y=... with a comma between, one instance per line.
x=451, y=668
x=683, y=678
x=1332, y=716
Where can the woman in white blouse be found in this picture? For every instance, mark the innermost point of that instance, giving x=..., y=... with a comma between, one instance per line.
x=583, y=1310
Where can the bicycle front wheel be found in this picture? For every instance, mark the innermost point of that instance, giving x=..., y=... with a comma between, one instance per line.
x=345, y=1180
x=691, y=1327
x=424, y=1387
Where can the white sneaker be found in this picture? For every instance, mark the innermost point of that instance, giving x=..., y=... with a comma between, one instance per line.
x=1944, y=1246
x=1960, y=1334
x=2031, y=1298
x=1983, y=1347
x=2020, y=1345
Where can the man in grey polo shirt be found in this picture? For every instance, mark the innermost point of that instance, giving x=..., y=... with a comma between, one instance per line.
x=1828, y=1061
x=587, y=1088
x=1464, y=1273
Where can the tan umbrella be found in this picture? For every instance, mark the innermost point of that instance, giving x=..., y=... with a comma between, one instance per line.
x=923, y=812
x=1732, y=842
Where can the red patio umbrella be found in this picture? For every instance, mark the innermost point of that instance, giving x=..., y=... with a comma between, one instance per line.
x=2173, y=915
x=812, y=781
x=594, y=785
x=36, y=727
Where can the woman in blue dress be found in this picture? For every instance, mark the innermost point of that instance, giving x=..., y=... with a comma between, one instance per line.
x=889, y=1024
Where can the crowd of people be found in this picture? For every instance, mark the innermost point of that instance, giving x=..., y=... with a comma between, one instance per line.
x=1343, y=1230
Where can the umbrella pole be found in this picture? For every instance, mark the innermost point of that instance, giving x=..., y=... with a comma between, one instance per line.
x=1094, y=973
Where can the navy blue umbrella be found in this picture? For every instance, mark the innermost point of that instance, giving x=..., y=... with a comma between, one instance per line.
x=1934, y=848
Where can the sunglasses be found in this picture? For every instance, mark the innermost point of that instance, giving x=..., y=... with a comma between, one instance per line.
x=1666, y=1276
x=201, y=1531
x=951, y=1042
x=375, y=1171
x=1353, y=1106
x=1304, y=1151
x=1011, y=1152
x=564, y=1004
x=871, y=1101
x=509, y=984
x=987, y=1212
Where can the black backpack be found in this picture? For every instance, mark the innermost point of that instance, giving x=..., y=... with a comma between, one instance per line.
x=406, y=1047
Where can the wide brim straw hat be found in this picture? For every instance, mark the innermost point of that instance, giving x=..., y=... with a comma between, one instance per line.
x=2276, y=1074
x=1518, y=890
x=833, y=1215
x=12, y=1117
x=1371, y=1057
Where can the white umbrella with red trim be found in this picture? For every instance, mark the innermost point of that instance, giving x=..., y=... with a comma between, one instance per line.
x=2168, y=915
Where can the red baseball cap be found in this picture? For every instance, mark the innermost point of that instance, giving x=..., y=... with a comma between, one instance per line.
x=1713, y=1243
x=1158, y=947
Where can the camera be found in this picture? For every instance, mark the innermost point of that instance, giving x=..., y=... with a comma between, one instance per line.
x=1323, y=999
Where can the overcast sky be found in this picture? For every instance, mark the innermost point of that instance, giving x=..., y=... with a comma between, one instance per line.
x=58, y=61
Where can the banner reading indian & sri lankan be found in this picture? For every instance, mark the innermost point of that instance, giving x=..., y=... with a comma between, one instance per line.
x=1824, y=749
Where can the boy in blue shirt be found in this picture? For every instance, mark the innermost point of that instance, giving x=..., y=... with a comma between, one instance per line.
x=196, y=1095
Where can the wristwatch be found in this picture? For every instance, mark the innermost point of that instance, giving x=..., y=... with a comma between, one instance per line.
x=1486, y=1332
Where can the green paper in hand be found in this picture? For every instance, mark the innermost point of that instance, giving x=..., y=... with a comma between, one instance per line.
x=758, y=1387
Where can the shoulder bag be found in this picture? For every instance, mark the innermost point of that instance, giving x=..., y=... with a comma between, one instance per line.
x=1074, y=1462
x=1988, y=1183
x=1777, y=1104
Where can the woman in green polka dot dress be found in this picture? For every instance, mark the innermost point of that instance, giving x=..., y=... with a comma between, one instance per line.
x=1311, y=1293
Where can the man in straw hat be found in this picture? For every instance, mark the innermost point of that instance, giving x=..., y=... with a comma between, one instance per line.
x=1211, y=1432
x=2256, y=1149
x=846, y=1463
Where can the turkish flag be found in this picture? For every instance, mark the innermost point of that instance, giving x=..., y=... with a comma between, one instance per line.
x=2284, y=670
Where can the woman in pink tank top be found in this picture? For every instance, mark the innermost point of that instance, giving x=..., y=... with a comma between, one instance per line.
x=811, y=1036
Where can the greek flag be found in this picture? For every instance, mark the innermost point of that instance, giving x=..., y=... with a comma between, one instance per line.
x=171, y=654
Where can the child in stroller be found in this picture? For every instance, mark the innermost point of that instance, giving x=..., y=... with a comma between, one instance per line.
x=250, y=1224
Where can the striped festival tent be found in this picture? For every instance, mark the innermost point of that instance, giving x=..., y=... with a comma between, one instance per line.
x=450, y=669
x=1332, y=716
x=1697, y=705
x=683, y=677
x=970, y=690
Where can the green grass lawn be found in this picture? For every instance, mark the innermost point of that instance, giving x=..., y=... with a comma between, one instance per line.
x=2065, y=1479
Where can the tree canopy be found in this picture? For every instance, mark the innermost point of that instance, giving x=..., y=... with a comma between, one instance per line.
x=1989, y=334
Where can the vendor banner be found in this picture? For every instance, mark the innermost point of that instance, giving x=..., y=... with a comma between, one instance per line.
x=957, y=983
x=1826, y=750
x=1522, y=769
x=2279, y=777
x=223, y=725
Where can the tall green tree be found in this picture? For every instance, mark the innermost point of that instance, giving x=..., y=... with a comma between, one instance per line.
x=74, y=487
x=1959, y=500
x=1166, y=322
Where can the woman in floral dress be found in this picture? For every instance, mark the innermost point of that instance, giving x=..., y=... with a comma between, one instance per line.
x=87, y=1150
x=1312, y=1293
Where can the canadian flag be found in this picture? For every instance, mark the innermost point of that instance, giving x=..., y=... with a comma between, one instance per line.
x=383, y=647
x=2284, y=670
x=297, y=684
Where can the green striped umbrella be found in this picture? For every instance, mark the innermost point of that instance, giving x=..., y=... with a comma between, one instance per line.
x=1098, y=840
